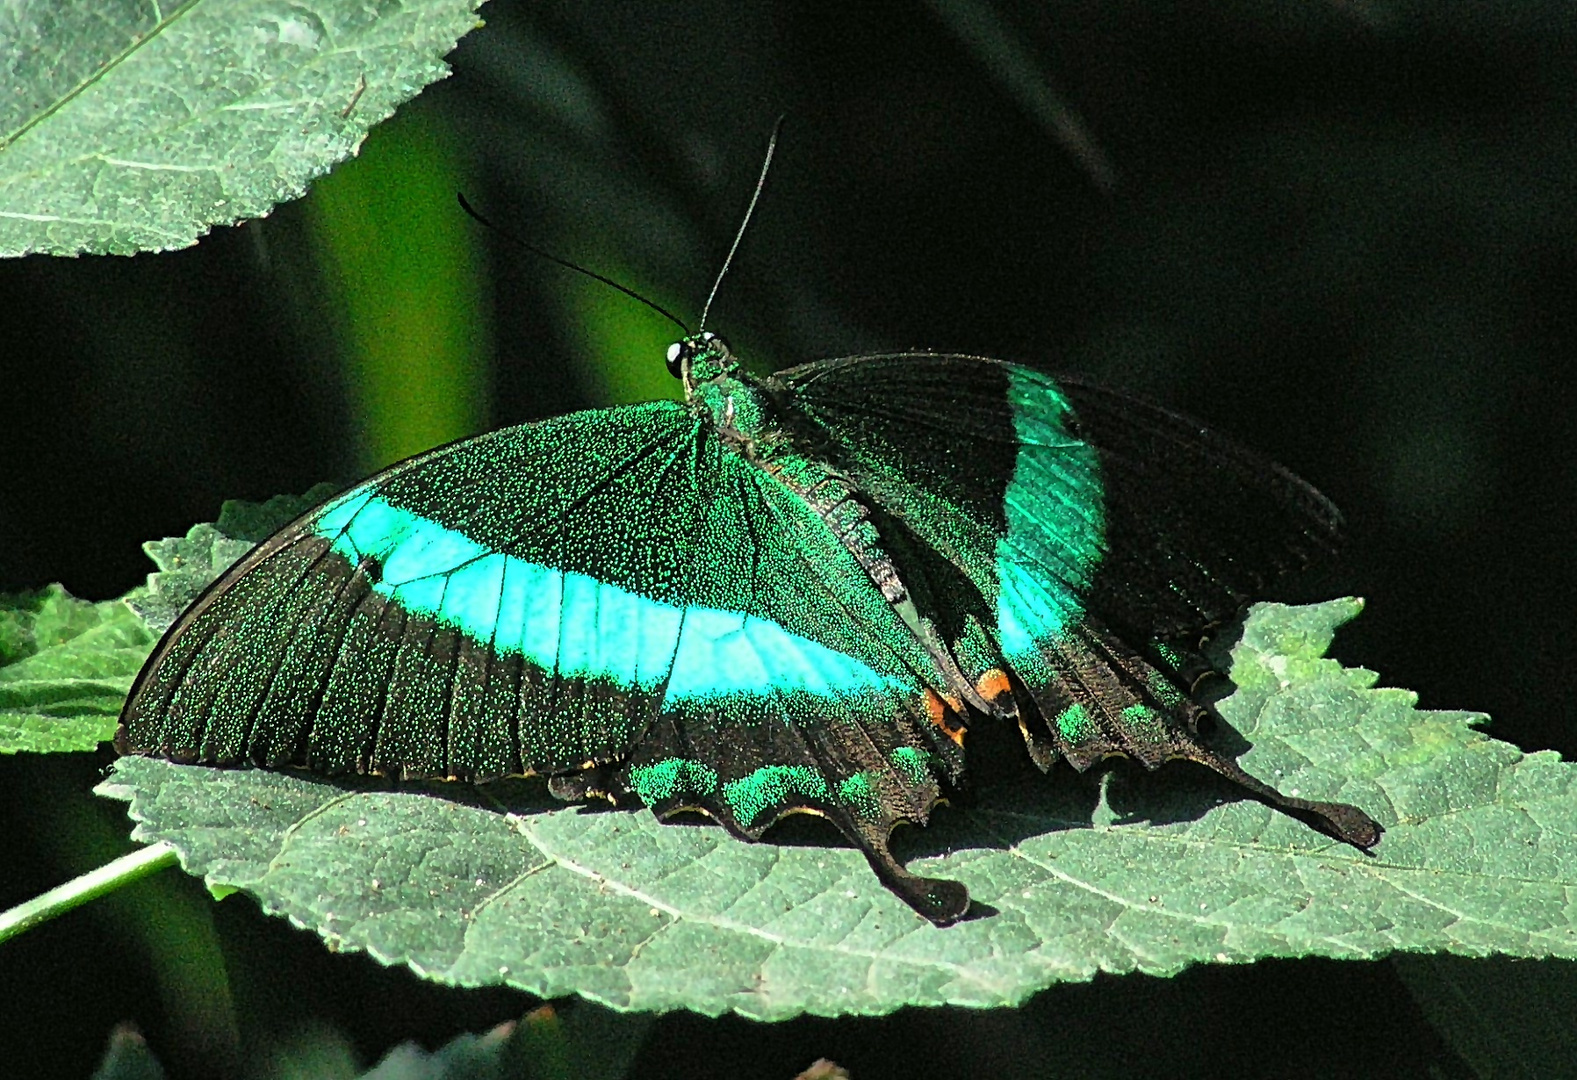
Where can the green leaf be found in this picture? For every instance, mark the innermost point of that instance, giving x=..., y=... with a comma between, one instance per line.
x=65, y=668
x=135, y=127
x=465, y=1057
x=188, y=563
x=256, y=522
x=582, y=1042
x=66, y=665
x=1138, y=873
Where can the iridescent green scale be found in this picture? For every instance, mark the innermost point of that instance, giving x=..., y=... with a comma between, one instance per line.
x=787, y=594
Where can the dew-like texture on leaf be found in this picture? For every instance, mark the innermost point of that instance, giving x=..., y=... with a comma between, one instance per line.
x=137, y=127
x=65, y=668
x=1139, y=873
x=256, y=522
x=186, y=566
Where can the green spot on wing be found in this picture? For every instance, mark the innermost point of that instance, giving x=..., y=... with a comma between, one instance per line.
x=860, y=795
x=771, y=786
x=1074, y=723
x=673, y=778
x=1166, y=693
x=1141, y=716
x=1145, y=724
x=913, y=763
x=1167, y=653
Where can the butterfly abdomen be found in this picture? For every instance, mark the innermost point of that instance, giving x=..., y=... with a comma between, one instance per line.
x=839, y=505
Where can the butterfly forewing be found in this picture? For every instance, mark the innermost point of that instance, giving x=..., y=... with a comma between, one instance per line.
x=613, y=587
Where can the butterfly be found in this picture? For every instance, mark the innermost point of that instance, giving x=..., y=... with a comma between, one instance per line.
x=794, y=593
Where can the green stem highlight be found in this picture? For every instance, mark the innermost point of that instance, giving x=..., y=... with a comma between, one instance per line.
x=90, y=886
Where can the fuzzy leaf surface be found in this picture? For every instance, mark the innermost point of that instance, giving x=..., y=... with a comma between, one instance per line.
x=65, y=667
x=130, y=127
x=66, y=664
x=1137, y=872
x=187, y=564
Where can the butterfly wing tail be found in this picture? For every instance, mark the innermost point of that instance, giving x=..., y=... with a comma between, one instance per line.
x=1346, y=823
x=939, y=900
x=864, y=765
x=1097, y=699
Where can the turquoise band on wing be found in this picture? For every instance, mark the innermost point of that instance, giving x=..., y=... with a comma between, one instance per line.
x=1056, y=526
x=573, y=623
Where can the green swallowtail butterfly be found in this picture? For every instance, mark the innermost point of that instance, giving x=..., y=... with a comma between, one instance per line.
x=787, y=594
x=792, y=593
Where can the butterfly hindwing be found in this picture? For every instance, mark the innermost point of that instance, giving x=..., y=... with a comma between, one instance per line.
x=1067, y=521
x=1213, y=521
x=791, y=729
x=865, y=762
x=1184, y=523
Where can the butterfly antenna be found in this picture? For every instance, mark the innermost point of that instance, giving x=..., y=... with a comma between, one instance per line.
x=550, y=257
x=755, y=197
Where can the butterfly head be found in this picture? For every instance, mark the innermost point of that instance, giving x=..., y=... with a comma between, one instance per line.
x=701, y=358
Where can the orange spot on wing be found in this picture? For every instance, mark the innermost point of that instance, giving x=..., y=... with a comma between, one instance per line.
x=992, y=684
x=944, y=714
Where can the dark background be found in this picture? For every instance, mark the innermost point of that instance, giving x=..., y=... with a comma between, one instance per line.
x=1344, y=232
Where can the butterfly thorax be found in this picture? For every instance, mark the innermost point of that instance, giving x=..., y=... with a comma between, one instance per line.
x=750, y=420
x=745, y=416
x=716, y=388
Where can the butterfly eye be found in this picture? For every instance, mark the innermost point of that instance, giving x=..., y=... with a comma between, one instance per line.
x=675, y=351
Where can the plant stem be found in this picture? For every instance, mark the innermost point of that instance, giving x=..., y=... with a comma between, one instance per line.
x=90, y=886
